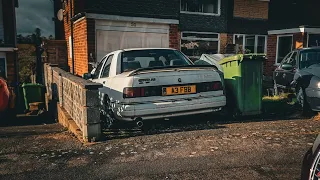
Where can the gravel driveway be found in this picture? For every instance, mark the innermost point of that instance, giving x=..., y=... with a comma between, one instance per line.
x=251, y=150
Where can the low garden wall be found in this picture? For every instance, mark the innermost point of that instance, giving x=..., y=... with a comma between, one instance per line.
x=77, y=100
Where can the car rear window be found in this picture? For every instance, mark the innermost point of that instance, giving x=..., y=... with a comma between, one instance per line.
x=135, y=59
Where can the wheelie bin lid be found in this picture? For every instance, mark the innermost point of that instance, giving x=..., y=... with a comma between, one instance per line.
x=242, y=57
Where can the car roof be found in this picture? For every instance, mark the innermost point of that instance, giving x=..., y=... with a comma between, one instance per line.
x=135, y=49
x=308, y=48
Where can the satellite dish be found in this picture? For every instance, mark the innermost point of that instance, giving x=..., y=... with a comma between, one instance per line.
x=60, y=15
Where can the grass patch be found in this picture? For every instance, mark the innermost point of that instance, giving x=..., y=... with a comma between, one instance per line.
x=281, y=104
x=279, y=98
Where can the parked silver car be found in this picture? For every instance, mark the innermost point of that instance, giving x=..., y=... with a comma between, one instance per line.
x=311, y=162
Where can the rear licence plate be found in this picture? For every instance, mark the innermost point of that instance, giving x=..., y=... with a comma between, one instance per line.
x=178, y=90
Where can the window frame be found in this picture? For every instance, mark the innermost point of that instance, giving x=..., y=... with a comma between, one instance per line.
x=107, y=62
x=308, y=37
x=256, y=38
x=201, y=39
x=294, y=59
x=202, y=13
x=277, y=51
x=3, y=55
x=96, y=69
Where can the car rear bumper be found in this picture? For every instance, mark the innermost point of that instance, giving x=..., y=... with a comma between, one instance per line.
x=166, y=109
x=313, y=97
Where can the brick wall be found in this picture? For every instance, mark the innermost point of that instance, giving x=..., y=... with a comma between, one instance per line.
x=205, y=23
x=174, y=37
x=167, y=9
x=8, y=11
x=225, y=39
x=80, y=47
x=271, y=55
x=83, y=40
x=223, y=42
x=251, y=9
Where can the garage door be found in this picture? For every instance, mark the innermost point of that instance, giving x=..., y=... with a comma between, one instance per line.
x=112, y=35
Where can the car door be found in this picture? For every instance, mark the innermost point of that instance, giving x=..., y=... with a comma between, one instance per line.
x=279, y=72
x=104, y=75
x=288, y=75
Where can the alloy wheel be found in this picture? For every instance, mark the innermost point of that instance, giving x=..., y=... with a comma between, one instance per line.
x=315, y=168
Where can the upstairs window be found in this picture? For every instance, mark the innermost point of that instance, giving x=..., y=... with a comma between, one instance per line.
x=207, y=7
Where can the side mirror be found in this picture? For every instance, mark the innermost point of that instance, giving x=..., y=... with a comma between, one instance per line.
x=87, y=76
x=287, y=67
x=93, y=64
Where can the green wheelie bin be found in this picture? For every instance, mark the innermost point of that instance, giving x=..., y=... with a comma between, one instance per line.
x=243, y=74
x=32, y=93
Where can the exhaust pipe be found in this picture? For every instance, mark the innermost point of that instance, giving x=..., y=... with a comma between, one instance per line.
x=139, y=122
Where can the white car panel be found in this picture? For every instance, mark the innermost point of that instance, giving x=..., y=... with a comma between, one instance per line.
x=159, y=106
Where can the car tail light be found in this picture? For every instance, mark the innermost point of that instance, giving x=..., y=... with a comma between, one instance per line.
x=210, y=86
x=131, y=92
x=217, y=86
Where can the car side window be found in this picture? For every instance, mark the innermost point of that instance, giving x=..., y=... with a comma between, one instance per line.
x=106, y=68
x=98, y=69
x=286, y=58
x=293, y=59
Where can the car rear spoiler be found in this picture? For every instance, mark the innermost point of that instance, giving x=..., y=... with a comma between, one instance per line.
x=135, y=72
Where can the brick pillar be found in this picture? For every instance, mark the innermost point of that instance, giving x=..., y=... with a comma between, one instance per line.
x=223, y=42
x=298, y=39
x=174, y=37
x=91, y=113
x=225, y=39
x=271, y=55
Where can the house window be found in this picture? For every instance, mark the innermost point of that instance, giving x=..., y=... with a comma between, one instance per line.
x=250, y=43
x=3, y=65
x=209, y=7
x=284, y=46
x=313, y=40
x=194, y=44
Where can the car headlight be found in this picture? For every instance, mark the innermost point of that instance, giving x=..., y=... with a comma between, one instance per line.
x=318, y=84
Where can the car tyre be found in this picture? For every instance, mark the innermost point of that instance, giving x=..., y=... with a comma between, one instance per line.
x=106, y=114
x=314, y=166
x=301, y=98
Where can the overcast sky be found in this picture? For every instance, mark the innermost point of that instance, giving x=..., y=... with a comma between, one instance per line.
x=35, y=13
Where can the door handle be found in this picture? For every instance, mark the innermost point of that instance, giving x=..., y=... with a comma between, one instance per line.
x=104, y=82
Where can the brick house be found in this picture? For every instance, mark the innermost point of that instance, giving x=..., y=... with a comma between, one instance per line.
x=194, y=26
x=223, y=22
x=8, y=44
x=297, y=26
